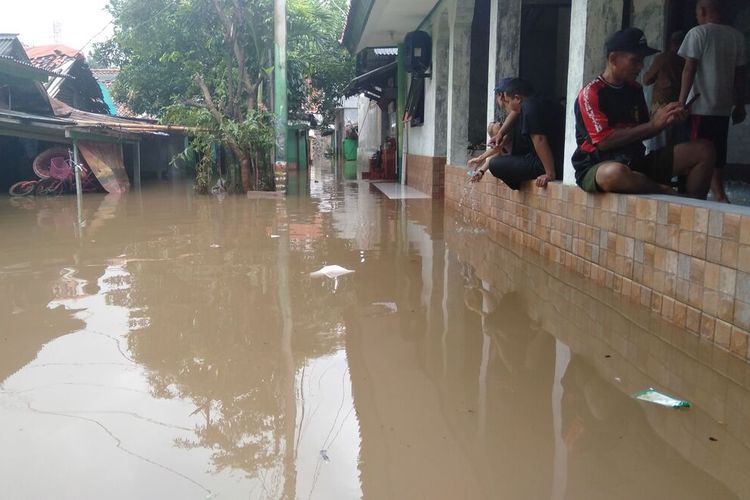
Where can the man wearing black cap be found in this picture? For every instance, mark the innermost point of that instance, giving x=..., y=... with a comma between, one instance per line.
x=537, y=148
x=612, y=121
x=501, y=133
x=503, y=139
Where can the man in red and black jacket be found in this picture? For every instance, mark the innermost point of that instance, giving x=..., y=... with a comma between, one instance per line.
x=612, y=121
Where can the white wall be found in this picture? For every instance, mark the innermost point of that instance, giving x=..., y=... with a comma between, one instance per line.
x=369, y=119
x=430, y=138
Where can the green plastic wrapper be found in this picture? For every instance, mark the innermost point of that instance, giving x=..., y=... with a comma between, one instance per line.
x=651, y=395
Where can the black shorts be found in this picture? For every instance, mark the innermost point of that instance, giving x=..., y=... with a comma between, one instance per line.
x=714, y=129
x=515, y=170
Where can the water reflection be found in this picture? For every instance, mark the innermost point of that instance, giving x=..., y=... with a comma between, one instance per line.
x=185, y=351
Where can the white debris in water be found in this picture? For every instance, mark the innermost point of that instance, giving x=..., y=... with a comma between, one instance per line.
x=331, y=272
x=391, y=307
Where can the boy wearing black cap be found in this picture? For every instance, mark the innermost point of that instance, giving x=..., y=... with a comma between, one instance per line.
x=537, y=152
x=612, y=121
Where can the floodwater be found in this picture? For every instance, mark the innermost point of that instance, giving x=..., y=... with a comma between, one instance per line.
x=178, y=347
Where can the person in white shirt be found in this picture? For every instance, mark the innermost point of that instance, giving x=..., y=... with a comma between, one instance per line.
x=714, y=71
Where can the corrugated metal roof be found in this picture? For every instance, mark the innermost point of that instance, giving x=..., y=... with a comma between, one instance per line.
x=6, y=46
x=19, y=115
x=11, y=46
x=28, y=68
x=105, y=75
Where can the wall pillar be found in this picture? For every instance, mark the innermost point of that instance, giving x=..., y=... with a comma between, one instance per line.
x=505, y=45
x=440, y=79
x=461, y=15
x=592, y=21
x=402, y=82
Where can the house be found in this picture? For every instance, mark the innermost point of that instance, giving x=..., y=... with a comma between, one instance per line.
x=34, y=117
x=81, y=90
x=106, y=78
x=555, y=44
x=663, y=253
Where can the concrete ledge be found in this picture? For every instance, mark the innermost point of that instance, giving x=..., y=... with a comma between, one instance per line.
x=686, y=260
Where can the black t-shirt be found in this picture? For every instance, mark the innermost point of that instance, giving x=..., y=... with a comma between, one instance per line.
x=540, y=116
x=600, y=110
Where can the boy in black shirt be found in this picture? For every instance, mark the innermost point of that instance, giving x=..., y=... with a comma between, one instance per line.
x=537, y=154
x=612, y=121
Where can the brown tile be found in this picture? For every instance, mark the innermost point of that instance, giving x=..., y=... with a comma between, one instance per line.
x=738, y=345
x=700, y=223
x=687, y=218
x=713, y=250
x=712, y=276
x=731, y=227
x=727, y=280
x=729, y=253
x=711, y=302
x=671, y=262
x=697, y=270
x=683, y=266
x=723, y=334
x=726, y=307
x=698, y=247
x=674, y=213
x=682, y=290
x=662, y=210
x=648, y=254
x=656, y=300
x=742, y=314
x=667, y=308
x=715, y=223
x=645, y=209
x=680, y=314
x=742, y=290
x=745, y=230
x=693, y=320
x=708, y=327
x=646, y=297
x=695, y=298
x=743, y=258
x=662, y=235
x=686, y=242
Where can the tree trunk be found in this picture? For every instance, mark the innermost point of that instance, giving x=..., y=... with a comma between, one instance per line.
x=245, y=172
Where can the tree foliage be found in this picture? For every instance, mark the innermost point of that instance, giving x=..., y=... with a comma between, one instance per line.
x=209, y=63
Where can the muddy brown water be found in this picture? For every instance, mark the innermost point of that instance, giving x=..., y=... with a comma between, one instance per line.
x=179, y=348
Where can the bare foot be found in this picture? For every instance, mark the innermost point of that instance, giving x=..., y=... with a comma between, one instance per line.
x=666, y=189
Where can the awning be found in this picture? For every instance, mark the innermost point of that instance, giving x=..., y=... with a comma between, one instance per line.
x=374, y=83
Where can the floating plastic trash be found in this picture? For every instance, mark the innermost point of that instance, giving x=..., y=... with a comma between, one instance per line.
x=331, y=272
x=651, y=395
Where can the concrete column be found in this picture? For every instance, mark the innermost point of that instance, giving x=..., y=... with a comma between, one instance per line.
x=440, y=77
x=505, y=46
x=280, y=93
x=137, y=165
x=402, y=83
x=592, y=21
x=459, y=63
x=651, y=17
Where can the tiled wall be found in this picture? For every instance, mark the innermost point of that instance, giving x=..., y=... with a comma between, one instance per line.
x=427, y=174
x=687, y=261
x=623, y=342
